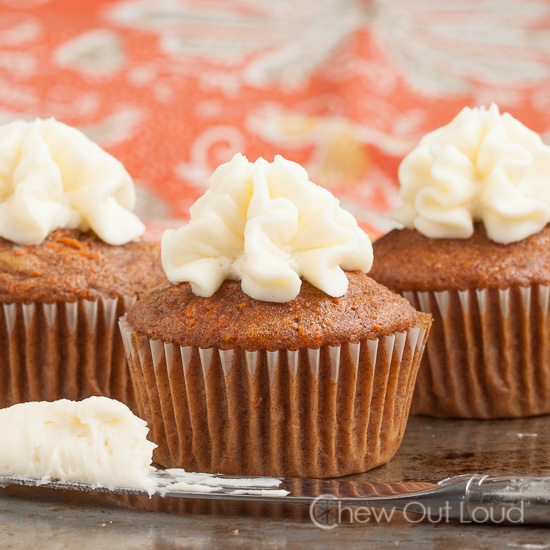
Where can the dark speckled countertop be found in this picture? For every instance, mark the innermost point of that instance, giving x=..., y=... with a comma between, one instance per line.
x=431, y=450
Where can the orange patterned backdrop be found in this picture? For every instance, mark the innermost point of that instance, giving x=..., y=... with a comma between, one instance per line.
x=345, y=87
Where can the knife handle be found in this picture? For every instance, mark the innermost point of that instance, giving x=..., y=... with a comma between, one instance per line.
x=511, y=500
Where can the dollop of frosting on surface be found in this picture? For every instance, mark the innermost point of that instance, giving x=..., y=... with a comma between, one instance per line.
x=268, y=226
x=52, y=176
x=482, y=166
x=97, y=441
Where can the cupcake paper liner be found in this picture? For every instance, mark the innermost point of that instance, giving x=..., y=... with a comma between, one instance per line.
x=307, y=413
x=488, y=355
x=63, y=350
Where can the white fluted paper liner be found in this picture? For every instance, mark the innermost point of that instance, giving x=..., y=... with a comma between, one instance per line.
x=63, y=350
x=488, y=355
x=306, y=413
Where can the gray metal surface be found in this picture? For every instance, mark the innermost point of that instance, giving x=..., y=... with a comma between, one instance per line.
x=432, y=449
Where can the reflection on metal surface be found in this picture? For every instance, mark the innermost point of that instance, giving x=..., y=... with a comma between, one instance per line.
x=470, y=498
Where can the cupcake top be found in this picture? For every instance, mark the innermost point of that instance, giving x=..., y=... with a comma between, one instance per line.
x=476, y=206
x=481, y=167
x=407, y=260
x=67, y=230
x=268, y=226
x=72, y=264
x=52, y=176
x=232, y=319
x=269, y=261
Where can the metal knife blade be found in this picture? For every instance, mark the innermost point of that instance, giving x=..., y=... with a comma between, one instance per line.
x=469, y=498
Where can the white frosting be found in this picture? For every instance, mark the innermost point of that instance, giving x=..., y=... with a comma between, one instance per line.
x=482, y=166
x=52, y=176
x=97, y=441
x=211, y=483
x=266, y=225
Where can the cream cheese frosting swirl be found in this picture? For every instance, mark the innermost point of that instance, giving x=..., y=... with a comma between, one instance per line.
x=268, y=226
x=482, y=166
x=52, y=176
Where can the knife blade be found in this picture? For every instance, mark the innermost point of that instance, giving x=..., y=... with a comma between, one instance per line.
x=468, y=498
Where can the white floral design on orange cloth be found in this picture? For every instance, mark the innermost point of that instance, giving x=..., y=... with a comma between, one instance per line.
x=170, y=87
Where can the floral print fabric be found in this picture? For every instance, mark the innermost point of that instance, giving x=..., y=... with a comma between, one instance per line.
x=173, y=88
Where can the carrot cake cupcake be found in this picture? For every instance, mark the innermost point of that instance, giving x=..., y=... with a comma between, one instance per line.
x=475, y=253
x=270, y=351
x=71, y=262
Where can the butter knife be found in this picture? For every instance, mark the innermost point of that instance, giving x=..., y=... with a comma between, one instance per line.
x=469, y=498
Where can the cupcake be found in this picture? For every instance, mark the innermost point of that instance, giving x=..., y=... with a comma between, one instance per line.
x=269, y=351
x=475, y=253
x=71, y=263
